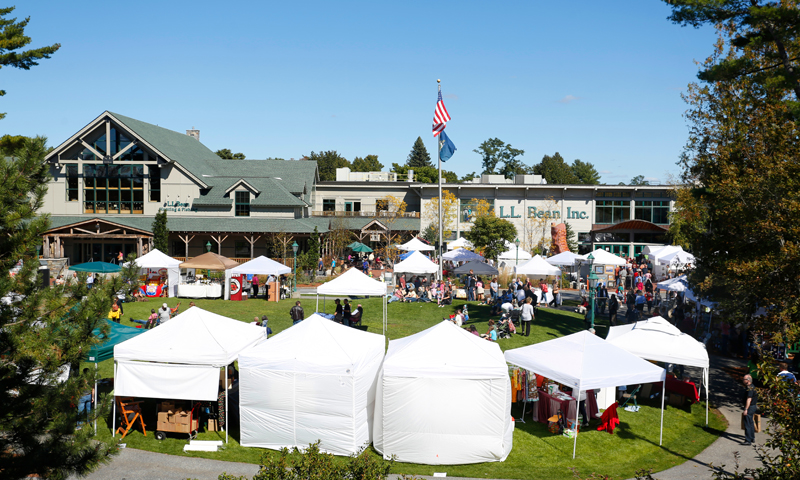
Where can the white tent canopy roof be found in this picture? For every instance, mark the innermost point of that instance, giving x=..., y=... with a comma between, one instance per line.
x=416, y=263
x=564, y=258
x=602, y=257
x=514, y=253
x=460, y=243
x=585, y=360
x=538, y=266
x=262, y=265
x=677, y=284
x=416, y=244
x=352, y=282
x=657, y=339
x=156, y=259
x=676, y=258
x=461, y=255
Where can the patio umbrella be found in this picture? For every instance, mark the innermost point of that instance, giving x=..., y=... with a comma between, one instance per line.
x=354, y=244
x=210, y=261
x=361, y=248
x=96, y=267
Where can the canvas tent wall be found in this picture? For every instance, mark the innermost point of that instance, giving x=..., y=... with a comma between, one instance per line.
x=260, y=265
x=181, y=359
x=443, y=398
x=313, y=381
x=157, y=259
x=354, y=282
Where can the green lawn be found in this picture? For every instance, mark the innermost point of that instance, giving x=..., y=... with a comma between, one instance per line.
x=536, y=453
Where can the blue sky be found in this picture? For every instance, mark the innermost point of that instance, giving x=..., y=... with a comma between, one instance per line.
x=598, y=81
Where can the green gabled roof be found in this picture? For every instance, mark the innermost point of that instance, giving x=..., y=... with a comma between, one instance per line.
x=357, y=223
x=135, y=221
x=205, y=224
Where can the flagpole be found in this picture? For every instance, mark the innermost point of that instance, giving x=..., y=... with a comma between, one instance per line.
x=439, y=156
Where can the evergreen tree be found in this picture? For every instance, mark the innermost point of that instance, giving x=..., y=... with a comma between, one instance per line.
x=161, y=232
x=555, y=170
x=419, y=156
x=572, y=239
x=227, y=154
x=313, y=251
x=327, y=163
x=585, y=173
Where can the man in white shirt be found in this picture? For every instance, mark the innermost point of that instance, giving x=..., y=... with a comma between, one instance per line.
x=163, y=314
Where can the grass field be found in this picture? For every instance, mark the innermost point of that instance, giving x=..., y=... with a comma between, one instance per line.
x=536, y=453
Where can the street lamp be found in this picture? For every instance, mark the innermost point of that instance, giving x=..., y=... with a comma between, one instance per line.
x=516, y=262
x=294, y=265
x=208, y=246
x=592, y=288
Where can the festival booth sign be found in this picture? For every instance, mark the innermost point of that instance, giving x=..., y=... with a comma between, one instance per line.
x=260, y=265
x=461, y=255
x=416, y=244
x=354, y=282
x=313, y=381
x=443, y=398
x=478, y=268
x=537, y=267
x=181, y=359
x=658, y=340
x=159, y=269
x=584, y=361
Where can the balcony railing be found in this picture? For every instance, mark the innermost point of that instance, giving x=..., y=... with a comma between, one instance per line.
x=318, y=213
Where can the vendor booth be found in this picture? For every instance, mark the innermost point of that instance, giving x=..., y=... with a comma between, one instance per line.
x=563, y=259
x=462, y=255
x=159, y=271
x=313, y=381
x=416, y=244
x=181, y=359
x=416, y=263
x=478, y=268
x=658, y=340
x=583, y=362
x=354, y=282
x=260, y=265
x=443, y=398
x=513, y=256
x=603, y=265
x=206, y=261
x=537, y=267
x=460, y=243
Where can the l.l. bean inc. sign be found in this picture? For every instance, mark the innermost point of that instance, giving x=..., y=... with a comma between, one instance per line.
x=534, y=212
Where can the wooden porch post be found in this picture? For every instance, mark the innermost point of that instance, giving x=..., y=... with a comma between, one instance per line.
x=219, y=241
x=252, y=241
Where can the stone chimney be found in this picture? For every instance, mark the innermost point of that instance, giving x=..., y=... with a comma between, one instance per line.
x=194, y=134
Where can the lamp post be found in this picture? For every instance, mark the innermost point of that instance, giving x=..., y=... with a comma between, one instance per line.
x=516, y=262
x=294, y=265
x=208, y=246
x=593, y=278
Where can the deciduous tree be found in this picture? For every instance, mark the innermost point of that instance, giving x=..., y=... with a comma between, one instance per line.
x=490, y=234
x=449, y=207
x=327, y=163
x=425, y=174
x=369, y=163
x=638, y=180
x=227, y=154
x=500, y=158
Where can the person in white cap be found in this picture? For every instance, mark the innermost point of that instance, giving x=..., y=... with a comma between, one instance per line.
x=163, y=314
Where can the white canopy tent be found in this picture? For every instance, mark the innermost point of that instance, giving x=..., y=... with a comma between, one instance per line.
x=181, y=358
x=461, y=255
x=157, y=259
x=679, y=258
x=416, y=263
x=416, y=244
x=260, y=265
x=354, y=282
x=565, y=259
x=602, y=257
x=313, y=381
x=653, y=252
x=537, y=267
x=443, y=398
x=460, y=243
x=584, y=361
x=658, y=340
x=677, y=284
x=514, y=254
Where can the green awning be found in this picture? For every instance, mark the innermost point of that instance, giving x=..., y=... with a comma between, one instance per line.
x=117, y=333
x=96, y=267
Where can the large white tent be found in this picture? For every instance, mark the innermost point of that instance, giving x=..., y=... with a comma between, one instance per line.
x=514, y=254
x=537, y=267
x=181, y=359
x=416, y=244
x=602, y=257
x=461, y=255
x=679, y=258
x=260, y=265
x=313, y=381
x=157, y=259
x=584, y=361
x=443, y=398
x=460, y=243
x=658, y=340
x=354, y=282
x=416, y=263
x=566, y=259
x=677, y=284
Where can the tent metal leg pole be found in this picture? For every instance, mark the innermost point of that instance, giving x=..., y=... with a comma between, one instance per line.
x=95, y=398
x=707, y=394
x=227, y=392
x=114, y=415
x=317, y=308
x=577, y=410
x=663, y=389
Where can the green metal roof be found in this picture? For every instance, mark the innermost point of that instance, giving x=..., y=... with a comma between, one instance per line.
x=205, y=224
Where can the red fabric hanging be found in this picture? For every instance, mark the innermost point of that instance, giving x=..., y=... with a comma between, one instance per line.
x=610, y=419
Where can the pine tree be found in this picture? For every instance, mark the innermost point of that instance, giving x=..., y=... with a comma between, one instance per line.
x=419, y=156
x=572, y=241
x=313, y=251
x=161, y=232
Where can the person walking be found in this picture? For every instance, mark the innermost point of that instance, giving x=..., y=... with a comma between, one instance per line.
x=346, y=313
x=469, y=284
x=526, y=316
x=750, y=399
x=297, y=313
x=613, y=307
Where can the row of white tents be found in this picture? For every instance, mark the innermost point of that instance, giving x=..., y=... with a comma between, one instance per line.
x=441, y=396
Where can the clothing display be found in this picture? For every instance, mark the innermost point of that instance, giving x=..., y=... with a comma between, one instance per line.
x=523, y=386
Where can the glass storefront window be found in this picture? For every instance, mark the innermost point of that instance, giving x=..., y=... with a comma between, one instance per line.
x=113, y=189
x=612, y=211
x=72, y=183
x=654, y=211
x=620, y=250
x=329, y=205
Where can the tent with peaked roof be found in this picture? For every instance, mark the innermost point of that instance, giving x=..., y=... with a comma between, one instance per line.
x=603, y=257
x=416, y=263
x=478, y=268
x=210, y=261
x=443, y=398
x=566, y=259
x=313, y=381
x=157, y=259
x=416, y=244
x=537, y=267
x=354, y=282
x=460, y=243
x=584, y=361
x=514, y=254
x=461, y=255
x=260, y=265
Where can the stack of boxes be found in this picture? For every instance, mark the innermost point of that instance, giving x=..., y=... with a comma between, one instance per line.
x=174, y=418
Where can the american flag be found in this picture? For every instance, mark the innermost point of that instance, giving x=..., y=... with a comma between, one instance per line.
x=440, y=116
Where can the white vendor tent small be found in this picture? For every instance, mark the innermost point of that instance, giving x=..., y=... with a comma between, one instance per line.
x=181, y=359
x=565, y=259
x=537, y=267
x=677, y=284
x=461, y=255
x=658, y=340
x=460, y=243
x=443, y=398
x=514, y=254
x=353, y=282
x=157, y=259
x=416, y=263
x=679, y=258
x=260, y=265
x=584, y=361
x=653, y=252
x=416, y=244
x=602, y=257
x=313, y=381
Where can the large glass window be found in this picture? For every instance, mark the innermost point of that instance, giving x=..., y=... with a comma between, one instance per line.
x=651, y=194
x=242, y=204
x=620, y=250
x=612, y=194
x=469, y=209
x=155, y=183
x=113, y=189
x=72, y=183
x=612, y=211
x=654, y=211
x=649, y=238
x=328, y=205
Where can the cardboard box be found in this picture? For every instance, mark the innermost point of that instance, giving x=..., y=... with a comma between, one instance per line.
x=164, y=417
x=213, y=425
x=167, y=406
x=182, y=417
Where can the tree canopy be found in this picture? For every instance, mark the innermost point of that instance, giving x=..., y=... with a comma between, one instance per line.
x=499, y=158
x=227, y=154
x=489, y=234
x=585, y=173
x=419, y=156
x=12, y=39
x=425, y=174
x=369, y=163
x=639, y=180
x=327, y=163
x=555, y=170
x=161, y=232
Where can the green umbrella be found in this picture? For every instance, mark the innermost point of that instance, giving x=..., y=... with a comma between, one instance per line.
x=354, y=245
x=96, y=267
x=361, y=248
